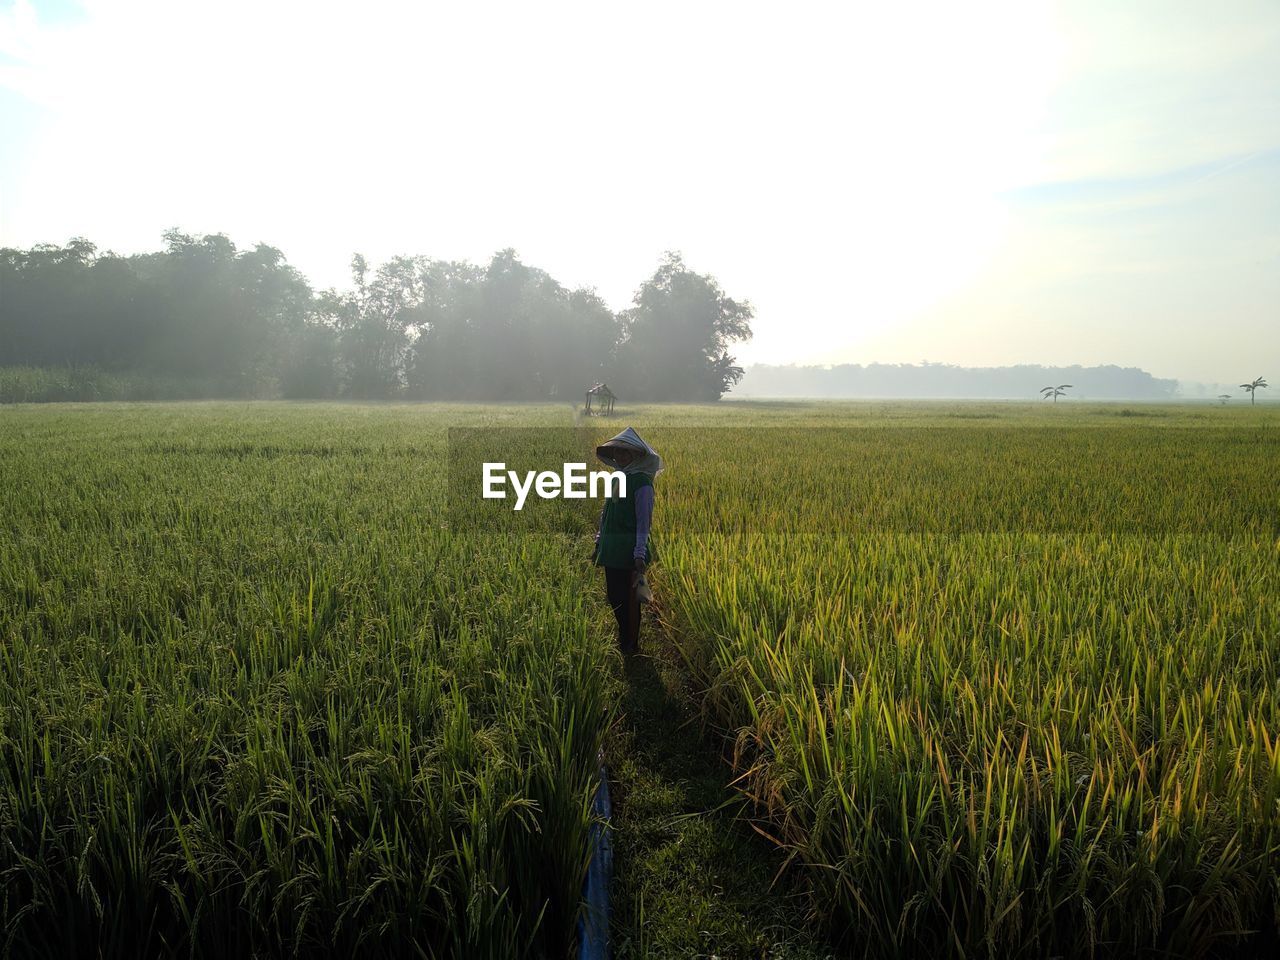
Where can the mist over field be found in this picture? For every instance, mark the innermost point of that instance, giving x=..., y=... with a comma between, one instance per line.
x=945, y=381
x=203, y=319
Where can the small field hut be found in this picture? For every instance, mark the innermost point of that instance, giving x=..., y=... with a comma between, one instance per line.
x=600, y=400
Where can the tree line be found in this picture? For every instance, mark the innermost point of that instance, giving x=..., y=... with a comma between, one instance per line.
x=947, y=381
x=224, y=322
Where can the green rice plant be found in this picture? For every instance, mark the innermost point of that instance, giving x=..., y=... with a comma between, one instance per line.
x=1005, y=689
x=82, y=383
x=257, y=697
x=1004, y=684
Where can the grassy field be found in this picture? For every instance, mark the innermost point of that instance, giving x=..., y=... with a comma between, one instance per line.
x=998, y=680
x=256, y=695
x=1005, y=679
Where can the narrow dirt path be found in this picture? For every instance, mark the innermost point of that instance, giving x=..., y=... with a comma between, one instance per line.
x=691, y=878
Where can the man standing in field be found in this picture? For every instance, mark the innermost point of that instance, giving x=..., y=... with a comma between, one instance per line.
x=622, y=540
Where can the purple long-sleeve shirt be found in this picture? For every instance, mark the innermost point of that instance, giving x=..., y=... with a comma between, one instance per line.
x=644, y=517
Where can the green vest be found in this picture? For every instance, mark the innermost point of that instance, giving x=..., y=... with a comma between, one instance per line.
x=617, y=544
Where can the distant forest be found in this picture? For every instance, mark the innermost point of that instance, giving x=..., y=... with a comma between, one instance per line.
x=940, y=380
x=203, y=319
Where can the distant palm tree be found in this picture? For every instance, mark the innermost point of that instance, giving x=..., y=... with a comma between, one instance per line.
x=1253, y=389
x=1059, y=391
x=1224, y=397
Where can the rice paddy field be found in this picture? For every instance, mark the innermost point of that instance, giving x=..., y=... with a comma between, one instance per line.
x=258, y=698
x=995, y=680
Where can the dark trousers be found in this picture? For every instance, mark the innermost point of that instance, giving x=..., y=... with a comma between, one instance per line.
x=626, y=607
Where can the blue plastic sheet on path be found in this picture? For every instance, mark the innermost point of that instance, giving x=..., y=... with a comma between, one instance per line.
x=593, y=924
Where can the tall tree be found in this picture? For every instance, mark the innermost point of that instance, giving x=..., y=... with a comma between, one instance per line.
x=677, y=335
x=219, y=315
x=373, y=323
x=1252, y=389
x=196, y=310
x=444, y=359
x=507, y=331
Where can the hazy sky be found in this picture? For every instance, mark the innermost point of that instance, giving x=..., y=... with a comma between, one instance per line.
x=976, y=183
